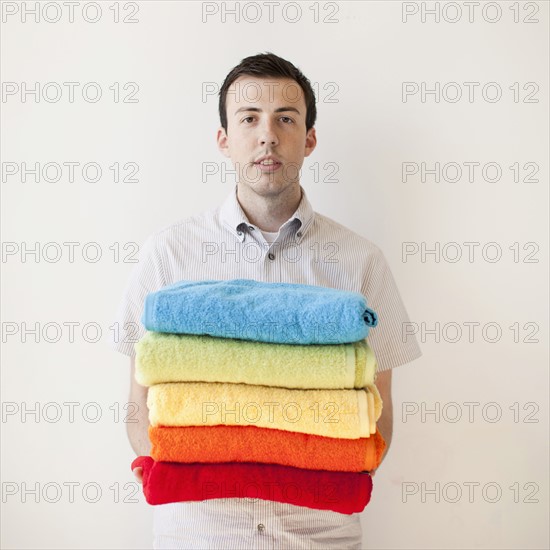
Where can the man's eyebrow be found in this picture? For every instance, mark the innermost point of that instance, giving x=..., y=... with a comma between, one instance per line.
x=257, y=110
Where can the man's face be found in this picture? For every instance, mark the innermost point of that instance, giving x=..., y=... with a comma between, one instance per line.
x=266, y=116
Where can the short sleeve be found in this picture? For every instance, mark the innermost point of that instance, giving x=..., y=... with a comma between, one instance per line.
x=147, y=276
x=392, y=344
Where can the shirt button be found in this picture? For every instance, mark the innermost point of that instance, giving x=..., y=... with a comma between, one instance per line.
x=261, y=527
x=271, y=257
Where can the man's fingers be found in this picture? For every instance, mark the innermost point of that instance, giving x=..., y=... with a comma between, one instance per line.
x=138, y=472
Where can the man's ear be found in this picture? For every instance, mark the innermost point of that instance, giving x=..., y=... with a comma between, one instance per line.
x=311, y=142
x=223, y=142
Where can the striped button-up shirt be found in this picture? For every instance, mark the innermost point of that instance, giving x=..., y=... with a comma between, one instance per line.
x=311, y=249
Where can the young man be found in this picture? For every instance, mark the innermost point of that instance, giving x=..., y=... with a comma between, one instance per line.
x=265, y=230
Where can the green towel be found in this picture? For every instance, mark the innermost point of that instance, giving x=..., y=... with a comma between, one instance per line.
x=164, y=358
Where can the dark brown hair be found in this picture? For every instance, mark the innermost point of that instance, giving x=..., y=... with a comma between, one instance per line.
x=271, y=66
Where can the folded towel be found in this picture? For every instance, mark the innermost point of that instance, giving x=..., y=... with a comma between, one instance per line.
x=189, y=358
x=343, y=492
x=283, y=313
x=267, y=446
x=330, y=413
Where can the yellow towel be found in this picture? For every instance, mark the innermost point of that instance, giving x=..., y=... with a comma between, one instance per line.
x=330, y=413
x=164, y=358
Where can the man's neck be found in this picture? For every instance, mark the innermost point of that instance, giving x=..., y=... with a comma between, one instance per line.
x=269, y=213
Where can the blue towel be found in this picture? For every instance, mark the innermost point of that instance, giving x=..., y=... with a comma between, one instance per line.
x=245, y=309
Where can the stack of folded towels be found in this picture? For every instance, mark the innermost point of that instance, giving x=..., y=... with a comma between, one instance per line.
x=259, y=390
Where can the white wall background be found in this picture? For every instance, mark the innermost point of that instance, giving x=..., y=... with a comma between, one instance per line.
x=366, y=54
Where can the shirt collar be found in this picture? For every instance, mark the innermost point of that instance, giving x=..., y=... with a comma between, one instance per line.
x=233, y=216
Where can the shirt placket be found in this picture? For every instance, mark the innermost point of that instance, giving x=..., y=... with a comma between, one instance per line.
x=278, y=253
x=264, y=520
x=267, y=259
x=264, y=538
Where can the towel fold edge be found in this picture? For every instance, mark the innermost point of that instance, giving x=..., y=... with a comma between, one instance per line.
x=363, y=410
x=350, y=365
x=378, y=403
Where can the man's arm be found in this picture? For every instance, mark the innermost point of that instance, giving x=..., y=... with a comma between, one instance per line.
x=385, y=422
x=138, y=431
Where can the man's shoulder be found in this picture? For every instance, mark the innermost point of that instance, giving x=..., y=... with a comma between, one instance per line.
x=344, y=236
x=177, y=229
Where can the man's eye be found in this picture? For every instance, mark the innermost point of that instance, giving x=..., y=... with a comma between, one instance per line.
x=287, y=118
x=248, y=118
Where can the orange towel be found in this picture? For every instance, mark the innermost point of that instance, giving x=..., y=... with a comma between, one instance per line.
x=253, y=444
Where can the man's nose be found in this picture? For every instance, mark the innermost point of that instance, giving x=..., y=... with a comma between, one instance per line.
x=268, y=135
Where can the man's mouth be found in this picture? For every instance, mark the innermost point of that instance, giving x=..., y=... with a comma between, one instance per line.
x=267, y=160
x=268, y=163
x=268, y=166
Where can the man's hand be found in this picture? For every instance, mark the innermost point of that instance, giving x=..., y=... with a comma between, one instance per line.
x=138, y=472
x=138, y=428
x=385, y=422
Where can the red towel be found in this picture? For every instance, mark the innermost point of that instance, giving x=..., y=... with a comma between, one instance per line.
x=343, y=492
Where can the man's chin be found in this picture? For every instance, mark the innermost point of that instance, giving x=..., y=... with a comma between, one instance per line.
x=266, y=186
